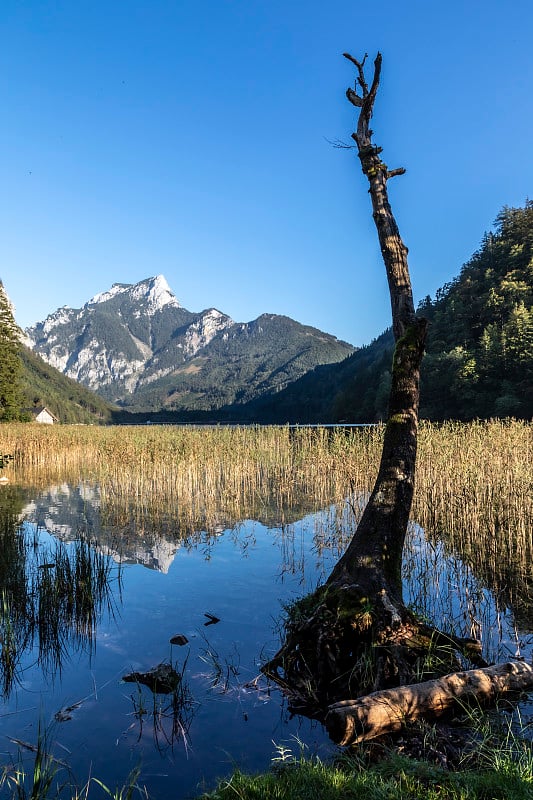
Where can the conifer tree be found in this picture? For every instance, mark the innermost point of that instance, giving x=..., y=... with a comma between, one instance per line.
x=10, y=364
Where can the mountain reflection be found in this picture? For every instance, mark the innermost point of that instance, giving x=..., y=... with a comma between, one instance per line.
x=132, y=533
x=63, y=546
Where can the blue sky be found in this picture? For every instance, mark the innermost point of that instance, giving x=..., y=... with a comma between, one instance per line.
x=192, y=138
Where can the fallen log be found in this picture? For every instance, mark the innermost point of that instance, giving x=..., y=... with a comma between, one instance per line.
x=352, y=721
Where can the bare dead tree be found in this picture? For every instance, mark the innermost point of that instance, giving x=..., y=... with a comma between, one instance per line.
x=354, y=634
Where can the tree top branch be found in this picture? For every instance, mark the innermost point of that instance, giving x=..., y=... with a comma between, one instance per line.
x=366, y=102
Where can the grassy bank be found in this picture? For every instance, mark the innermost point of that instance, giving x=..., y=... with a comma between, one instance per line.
x=397, y=778
x=483, y=759
x=499, y=768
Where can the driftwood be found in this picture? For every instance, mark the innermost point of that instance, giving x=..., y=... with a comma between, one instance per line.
x=352, y=721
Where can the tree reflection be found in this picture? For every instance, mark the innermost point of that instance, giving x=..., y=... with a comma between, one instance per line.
x=52, y=594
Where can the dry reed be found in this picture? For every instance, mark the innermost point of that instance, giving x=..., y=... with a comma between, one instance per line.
x=473, y=481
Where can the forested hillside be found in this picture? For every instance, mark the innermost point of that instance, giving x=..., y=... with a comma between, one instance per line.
x=10, y=368
x=479, y=359
x=43, y=385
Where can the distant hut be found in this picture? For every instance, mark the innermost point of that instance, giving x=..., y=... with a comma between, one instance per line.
x=42, y=414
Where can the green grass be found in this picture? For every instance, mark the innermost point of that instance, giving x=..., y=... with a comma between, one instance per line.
x=50, y=780
x=500, y=769
x=396, y=778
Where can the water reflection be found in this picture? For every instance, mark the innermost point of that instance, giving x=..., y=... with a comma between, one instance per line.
x=465, y=598
x=166, y=711
x=135, y=535
x=502, y=561
x=219, y=713
x=52, y=594
x=451, y=579
x=174, y=584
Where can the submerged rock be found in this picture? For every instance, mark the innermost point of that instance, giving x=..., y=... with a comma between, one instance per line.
x=179, y=639
x=161, y=679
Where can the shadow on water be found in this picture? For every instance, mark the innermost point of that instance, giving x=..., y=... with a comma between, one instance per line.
x=53, y=594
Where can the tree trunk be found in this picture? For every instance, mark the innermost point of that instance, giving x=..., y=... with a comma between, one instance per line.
x=378, y=543
x=354, y=634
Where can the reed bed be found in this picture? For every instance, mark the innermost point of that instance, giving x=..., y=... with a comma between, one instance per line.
x=154, y=457
x=475, y=494
x=474, y=481
x=196, y=476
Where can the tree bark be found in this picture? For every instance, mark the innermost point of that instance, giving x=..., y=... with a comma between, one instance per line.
x=352, y=721
x=354, y=634
x=380, y=537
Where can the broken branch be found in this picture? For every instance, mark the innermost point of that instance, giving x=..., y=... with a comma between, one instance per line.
x=394, y=172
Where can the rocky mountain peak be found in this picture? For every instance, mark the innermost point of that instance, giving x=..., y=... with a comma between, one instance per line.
x=154, y=294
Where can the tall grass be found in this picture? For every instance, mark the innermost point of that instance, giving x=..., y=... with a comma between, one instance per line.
x=475, y=493
x=52, y=597
x=473, y=478
x=473, y=481
x=195, y=476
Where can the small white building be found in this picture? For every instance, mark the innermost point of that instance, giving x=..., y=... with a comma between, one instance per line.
x=43, y=415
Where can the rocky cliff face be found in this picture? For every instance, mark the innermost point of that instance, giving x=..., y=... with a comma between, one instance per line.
x=137, y=346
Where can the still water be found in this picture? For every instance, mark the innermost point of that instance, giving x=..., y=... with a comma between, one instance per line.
x=223, y=592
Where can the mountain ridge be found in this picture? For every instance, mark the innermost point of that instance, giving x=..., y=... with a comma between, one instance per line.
x=138, y=347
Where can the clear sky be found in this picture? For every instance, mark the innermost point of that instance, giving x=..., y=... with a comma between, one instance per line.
x=193, y=138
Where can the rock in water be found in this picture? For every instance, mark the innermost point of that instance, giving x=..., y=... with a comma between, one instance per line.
x=179, y=639
x=162, y=679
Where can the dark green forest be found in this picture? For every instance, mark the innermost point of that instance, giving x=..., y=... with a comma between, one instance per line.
x=10, y=367
x=479, y=354
x=479, y=360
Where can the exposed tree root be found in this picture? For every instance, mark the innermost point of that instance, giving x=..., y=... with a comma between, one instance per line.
x=342, y=642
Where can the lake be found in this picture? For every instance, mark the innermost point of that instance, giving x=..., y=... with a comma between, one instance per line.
x=222, y=589
x=204, y=534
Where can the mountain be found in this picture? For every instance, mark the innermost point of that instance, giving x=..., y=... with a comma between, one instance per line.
x=316, y=396
x=479, y=353
x=138, y=347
